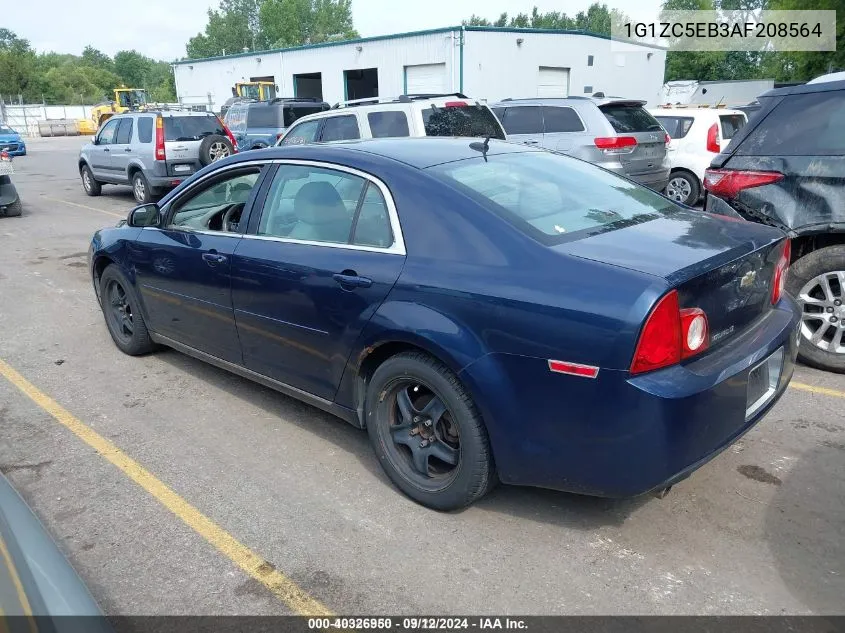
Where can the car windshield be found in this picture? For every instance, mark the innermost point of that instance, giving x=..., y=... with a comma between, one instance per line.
x=551, y=197
x=191, y=128
x=6, y=130
x=461, y=119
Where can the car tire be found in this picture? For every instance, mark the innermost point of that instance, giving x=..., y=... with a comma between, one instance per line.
x=14, y=210
x=683, y=187
x=89, y=184
x=399, y=434
x=213, y=148
x=122, y=312
x=141, y=190
x=804, y=279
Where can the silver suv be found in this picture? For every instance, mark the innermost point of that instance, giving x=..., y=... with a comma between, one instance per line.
x=152, y=151
x=614, y=133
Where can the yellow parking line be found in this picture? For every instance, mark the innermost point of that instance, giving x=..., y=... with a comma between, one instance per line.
x=84, y=206
x=820, y=390
x=16, y=581
x=280, y=585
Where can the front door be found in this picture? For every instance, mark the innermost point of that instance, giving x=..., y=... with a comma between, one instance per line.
x=121, y=151
x=183, y=268
x=312, y=271
x=101, y=152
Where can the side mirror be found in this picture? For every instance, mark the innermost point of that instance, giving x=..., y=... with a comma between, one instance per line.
x=144, y=215
x=94, y=140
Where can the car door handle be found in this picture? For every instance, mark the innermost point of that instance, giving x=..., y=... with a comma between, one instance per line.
x=349, y=279
x=128, y=149
x=530, y=142
x=106, y=149
x=214, y=258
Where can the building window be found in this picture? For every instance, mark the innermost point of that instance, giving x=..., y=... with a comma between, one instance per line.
x=589, y=60
x=588, y=90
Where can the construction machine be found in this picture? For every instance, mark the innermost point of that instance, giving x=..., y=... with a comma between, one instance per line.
x=258, y=90
x=125, y=100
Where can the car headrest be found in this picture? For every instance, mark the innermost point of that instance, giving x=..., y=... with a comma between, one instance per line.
x=319, y=203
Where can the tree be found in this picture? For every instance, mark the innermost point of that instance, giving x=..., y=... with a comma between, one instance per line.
x=286, y=23
x=596, y=19
x=93, y=57
x=231, y=28
x=805, y=65
x=17, y=62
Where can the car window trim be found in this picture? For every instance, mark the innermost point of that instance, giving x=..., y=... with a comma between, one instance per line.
x=398, y=246
x=583, y=129
x=167, y=211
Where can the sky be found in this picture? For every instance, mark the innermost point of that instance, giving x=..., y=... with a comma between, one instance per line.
x=161, y=28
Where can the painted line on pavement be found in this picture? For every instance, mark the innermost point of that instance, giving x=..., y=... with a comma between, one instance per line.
x=254, y=565
x=84, y=206
x=820, y=390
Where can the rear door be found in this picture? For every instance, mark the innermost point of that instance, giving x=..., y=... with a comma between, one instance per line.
x=524, y=124
x=628, y=118
x=312, y=271
x=562, y=128
x=121, y=151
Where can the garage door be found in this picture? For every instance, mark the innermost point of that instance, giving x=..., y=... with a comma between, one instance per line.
x=426, y=79
x=553, y=82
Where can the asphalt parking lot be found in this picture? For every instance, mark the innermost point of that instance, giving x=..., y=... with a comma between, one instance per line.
x=238, y=477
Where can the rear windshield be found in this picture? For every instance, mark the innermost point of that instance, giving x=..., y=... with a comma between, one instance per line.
x=675, y=126
x=731, y=124
x=264, y=116
x=626, y=118
x=464, y=120
x=294, y=112
x=551, y=197
x=191, y=128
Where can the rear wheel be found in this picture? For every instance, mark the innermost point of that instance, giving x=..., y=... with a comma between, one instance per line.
x=122, y=313
x=817, y=281
x=141, y=188
x=427, y=433
x=15, y=209
x=683, y=187
x=91, y=186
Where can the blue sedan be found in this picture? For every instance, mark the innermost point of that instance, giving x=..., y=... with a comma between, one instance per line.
x=488, y=312
x=11, y=141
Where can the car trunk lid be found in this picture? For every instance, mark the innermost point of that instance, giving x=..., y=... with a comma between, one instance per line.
x=630, y=119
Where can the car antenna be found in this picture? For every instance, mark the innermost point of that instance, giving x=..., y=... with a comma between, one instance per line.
x=481, y=147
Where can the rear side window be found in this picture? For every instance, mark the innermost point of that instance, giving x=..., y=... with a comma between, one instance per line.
x=561, y=120
x=676, y=126
x=801, y=125
x=625, y=118
x=191, y=128
x=124, y=132
x=293, y=113
x=731, y=123
x=388, y=124
x=340, y=128
x=264, y=116
x=523, y=120
x=145, y=129
x=461, y=120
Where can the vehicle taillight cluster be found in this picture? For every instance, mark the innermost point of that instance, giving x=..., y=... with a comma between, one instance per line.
x=670, y=335
x=616, y=144
x=729, y=182
x=713, y=139
x=229, y=135
x=781, y=269
x=160, y=153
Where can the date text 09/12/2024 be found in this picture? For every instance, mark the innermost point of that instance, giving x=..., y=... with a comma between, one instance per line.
x=416, y=623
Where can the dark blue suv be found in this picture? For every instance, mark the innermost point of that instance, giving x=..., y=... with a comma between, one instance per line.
x=258, y=124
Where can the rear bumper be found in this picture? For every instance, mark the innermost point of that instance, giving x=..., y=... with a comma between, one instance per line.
x=621, y=436
x=653, y=180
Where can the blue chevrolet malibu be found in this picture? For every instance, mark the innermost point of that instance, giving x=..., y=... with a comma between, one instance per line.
x=485, y=310
x=11, y=141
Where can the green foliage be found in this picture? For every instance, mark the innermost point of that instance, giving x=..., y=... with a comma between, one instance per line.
x=68, y=79
x=596, y=19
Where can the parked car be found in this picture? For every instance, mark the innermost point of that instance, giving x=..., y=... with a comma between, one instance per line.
x=786, y=168
x=36, y=579
x=11, y=141
x=152, y=151
x=484, y=309
x=614, y=133
x=406, y=115
x=258, y=124
x=10, y=202
x=696, y=136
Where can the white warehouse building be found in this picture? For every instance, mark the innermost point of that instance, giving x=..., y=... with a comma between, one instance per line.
x=483, y=62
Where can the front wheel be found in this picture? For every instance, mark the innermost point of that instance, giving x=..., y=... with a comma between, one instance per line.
x=91, y=186
x=427, y=433
x=122, y=313
x=817, y=281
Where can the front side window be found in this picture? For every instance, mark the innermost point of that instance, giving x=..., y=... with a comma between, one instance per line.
x=218, y=206
x=390, y=123
x=107, y=134
x=552, y=197
x=301, y=134
x=340, y=128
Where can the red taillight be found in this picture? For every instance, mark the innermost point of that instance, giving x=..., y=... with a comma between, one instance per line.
x=455, y=104
x=160, y=154
x=616, y=144
x=668, y=138
x=713, y=139
x=728, y=183
x=228, y=135
x=670, y=335
x=781, y=269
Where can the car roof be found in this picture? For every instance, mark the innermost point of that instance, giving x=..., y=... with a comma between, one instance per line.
x=569, y=101
x=692, y=112
x=822, y=86
x=419, y=152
